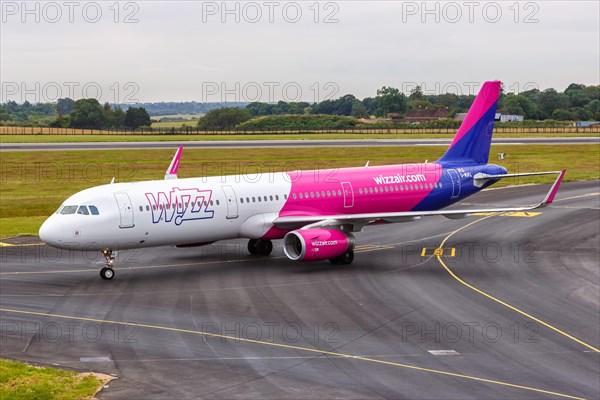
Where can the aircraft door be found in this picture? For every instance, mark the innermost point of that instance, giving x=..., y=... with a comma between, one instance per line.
x=232, y=205
x=455, y=178
x=125, y=210
x=348, y=194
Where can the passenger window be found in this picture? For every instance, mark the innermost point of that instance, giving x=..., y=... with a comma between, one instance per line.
x=141, y=208
x=301, y=197
x=259, y=199
x=254, y=199
x=217, y=202
x=294, y=196
x=277, y=197
x=242, y=200
x=147, y=208
x=83, y=210
x=271, y=198
x=339, y=192
x=318, y=195
x=93, y=210
x=247, y=199
x=285, y=196
x=69, y=210
x=265, y=198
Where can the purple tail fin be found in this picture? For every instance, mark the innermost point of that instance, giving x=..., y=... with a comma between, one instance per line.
x=474, y=137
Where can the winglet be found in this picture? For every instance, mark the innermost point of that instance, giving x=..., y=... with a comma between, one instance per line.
x=552, y=193
x=171, y=172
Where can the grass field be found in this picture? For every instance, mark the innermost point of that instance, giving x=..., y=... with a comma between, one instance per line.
x=21, y=381
x=34, y=184
x=175, y=124
x=297, y=136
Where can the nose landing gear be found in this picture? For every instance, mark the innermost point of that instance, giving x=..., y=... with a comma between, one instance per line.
x=108, y=272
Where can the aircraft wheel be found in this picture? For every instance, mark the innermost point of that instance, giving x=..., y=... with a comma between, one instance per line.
x=347, y=257
x=265, y=247
x=107, y=273
x=253, y=246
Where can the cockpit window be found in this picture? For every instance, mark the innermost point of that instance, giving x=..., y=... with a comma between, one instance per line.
x=83, y=210
x=68, y=210
x=94, y=210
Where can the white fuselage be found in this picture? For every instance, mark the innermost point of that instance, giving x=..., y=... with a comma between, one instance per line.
x=170, y=212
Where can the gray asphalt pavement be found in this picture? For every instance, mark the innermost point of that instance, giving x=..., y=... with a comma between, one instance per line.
x=510, y=310
x=279, y=143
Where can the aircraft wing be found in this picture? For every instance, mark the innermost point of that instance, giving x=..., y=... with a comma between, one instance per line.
x=356, y=222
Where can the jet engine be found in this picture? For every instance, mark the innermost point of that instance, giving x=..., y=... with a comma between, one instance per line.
x=319, y=244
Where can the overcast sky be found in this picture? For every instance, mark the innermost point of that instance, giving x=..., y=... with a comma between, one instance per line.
x=280, y=50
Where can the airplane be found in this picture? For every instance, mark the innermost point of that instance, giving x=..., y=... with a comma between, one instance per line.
x=316, y=213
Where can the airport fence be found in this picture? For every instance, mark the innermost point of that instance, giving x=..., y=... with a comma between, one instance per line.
x=35, y=130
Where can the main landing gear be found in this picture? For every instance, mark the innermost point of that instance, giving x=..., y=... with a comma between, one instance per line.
x=261, y=247
x=343, y=259
x=108, y=272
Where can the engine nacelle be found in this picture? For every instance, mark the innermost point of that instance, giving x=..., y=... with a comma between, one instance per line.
x=316, y=244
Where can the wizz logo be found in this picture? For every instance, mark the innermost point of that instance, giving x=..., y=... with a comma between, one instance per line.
x=180, y=205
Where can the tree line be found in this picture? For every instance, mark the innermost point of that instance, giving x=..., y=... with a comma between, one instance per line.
x=90, y=114
x=577, y=102
x=83, y=113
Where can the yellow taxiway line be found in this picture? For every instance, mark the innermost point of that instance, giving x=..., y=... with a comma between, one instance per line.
x=505, y=304
x=298, y=348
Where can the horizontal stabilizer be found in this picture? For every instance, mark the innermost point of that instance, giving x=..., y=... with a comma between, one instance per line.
x=481, y=178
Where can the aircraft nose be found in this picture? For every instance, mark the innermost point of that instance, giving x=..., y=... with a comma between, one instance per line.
x=51, y=232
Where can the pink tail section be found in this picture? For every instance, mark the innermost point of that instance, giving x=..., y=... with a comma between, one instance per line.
x=473, y=139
